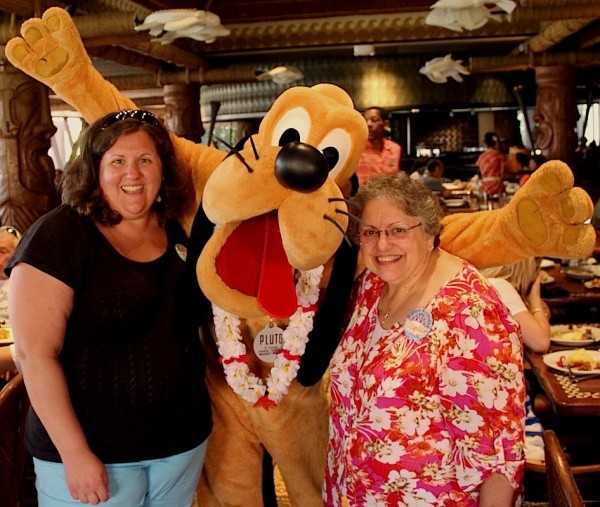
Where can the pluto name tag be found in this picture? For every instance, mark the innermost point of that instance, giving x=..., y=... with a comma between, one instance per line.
x=418, y=323
x=268, y=342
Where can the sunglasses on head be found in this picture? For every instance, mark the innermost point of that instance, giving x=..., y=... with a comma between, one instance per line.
x=10, y=230
x=138, y=114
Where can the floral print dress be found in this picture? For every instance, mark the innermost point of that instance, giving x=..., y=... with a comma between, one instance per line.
x=425, y=419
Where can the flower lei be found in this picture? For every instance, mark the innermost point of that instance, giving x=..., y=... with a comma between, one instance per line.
x=268, y=394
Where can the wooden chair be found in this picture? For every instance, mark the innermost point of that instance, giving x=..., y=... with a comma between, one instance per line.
x=13, y=456
x=562, y=488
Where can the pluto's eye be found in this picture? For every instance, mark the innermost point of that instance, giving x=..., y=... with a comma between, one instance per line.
x=289, y=136
x=293, y=126
x=336, y=147
x=332, y=156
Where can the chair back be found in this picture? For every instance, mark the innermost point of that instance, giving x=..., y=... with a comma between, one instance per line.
x=562, y=488
x=14, y=404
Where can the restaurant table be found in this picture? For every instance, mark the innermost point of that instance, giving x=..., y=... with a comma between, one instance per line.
x=567, y=398
x=567, y=291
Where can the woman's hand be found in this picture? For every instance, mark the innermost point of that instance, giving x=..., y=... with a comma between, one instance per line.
x=86, y=478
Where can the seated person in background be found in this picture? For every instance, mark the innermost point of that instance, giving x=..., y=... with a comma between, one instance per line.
x=432, y=178
x=519, y=287
x=517, y=160
x=596, y=216
x=9, y=239
x=491, y=165
x=534, y=162
x=522, y=161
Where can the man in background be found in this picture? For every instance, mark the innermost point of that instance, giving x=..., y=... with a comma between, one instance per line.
x=381, y=155
x=491, y=165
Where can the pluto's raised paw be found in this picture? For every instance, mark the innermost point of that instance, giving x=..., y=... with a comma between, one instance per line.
x=40, y=51
x=551, y=213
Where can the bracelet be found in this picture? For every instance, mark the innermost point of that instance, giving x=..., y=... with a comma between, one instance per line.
x=536, y=310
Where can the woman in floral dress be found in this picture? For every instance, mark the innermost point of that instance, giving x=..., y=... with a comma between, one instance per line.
x=427, y=391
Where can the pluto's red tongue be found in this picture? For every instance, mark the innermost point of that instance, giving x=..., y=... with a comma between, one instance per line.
x=254, y=262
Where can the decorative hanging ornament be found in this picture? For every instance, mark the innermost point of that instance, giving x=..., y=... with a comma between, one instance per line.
x=441, y=68
x=171, y=24
x=268, y=393
x=467, y=14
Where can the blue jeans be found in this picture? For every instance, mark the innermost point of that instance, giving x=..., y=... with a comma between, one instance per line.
x=166, y=482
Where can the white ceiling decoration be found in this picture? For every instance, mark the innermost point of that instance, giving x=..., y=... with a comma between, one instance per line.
x=467, y=14
x=281, y=75
x=170, y=24
x=440, y=69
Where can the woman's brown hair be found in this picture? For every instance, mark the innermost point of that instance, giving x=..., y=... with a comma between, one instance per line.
x=80, y=187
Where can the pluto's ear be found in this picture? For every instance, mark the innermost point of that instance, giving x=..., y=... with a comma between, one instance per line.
x=202, y=230
x=332, y=317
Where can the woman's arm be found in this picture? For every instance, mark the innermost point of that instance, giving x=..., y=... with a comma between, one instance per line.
x=488, y=364
x=6, y=360
x=39, y=306
x=496, y=492
x=535, y=325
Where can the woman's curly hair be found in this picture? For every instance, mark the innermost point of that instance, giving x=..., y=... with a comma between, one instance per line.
x=80, y=186
x=411, y=196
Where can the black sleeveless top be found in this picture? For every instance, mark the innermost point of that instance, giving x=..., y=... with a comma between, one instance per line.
x=132, y=355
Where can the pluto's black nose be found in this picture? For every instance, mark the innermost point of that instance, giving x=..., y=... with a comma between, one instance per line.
x=301, y=167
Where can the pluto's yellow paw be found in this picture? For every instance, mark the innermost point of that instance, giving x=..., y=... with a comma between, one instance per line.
x=550, y=213
x=40, y=51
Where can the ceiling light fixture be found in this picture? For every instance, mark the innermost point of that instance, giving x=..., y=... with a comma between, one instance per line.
x=171, y=24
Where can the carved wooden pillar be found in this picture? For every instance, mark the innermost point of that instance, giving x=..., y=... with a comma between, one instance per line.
x=182, y=112
x=556, y=112
x=27, y=188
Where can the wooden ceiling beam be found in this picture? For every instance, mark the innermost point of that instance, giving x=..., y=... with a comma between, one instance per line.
x=484, y=64
x=589, y=38
x=204, y=77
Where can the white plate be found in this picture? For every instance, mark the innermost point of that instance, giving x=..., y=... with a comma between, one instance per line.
x=547, y=263
x=592, y=284
x=579, y=273
x=546, y=278
x=454, y=203
x=558, y=334
x=553, y=358
x=457, y=185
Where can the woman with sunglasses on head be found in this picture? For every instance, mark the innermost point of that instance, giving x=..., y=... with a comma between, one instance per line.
x=9, y=239
x=427, y=391
x=104, y=328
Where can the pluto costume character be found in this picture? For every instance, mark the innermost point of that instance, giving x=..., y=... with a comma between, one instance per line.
x=279, y=216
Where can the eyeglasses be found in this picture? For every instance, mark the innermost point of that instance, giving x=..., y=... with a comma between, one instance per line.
x=10, y=230
x=138, y=114
x=370, y=235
